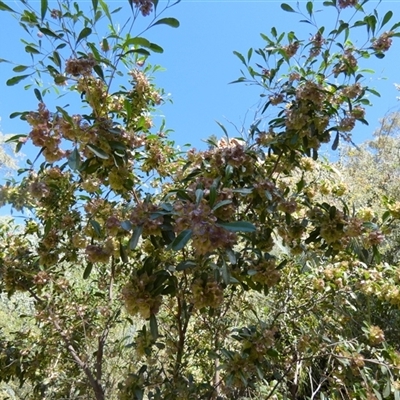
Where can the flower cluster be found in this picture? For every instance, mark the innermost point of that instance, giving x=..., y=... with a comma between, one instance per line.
x=138, y=298
x=145, y=6
x=207, y=236
x=265, y=272
x=347, y=3
x=100, y=253
x=206, y=294
x=80, y=66
x=383, y=43
x=347, y=64
x=141, y=215
x=43, y=135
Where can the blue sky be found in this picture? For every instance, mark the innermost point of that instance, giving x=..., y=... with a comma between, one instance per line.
x=199, y=62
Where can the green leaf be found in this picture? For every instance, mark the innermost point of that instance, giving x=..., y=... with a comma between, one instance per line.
x=74, y=159
x=95, y=4
x=172, y=22
x=388, y=16
x=309, y=7
x=65, y=115
x=88, y=270
x=181, y=240
x=137, y=41
x=99, y=152
x=16, y=138
x=99, y=72
x=222, y=127
x=57, y=59
x=126, y=225
x=43, y=8
x=213, y=195
x=104, y=7
x=226, y=274
x=60, y=79
x=84, y=33
x=185, y=265
x=122, y=253
x=153, y=327
x=139, y=51
x=286, y=7
x=16, y=79
x=336, y=142
x=4, y=7
x=199, y=196
x=156, y=48
x=239, y=226
x=221, y=204
x=240, y=56
x=20, y=68
x=96, y=226
x=31, y=49
x=38, y=95
x=133, y=241
x=50, y=33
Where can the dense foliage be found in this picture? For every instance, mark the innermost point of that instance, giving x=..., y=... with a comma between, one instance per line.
x=242, y=271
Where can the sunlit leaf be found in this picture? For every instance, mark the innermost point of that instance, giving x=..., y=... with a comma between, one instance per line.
x=74, y=160
x=134, y=240
x=99, y=152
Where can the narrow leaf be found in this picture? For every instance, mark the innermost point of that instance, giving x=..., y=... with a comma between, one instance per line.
x=96, y=226
x=43, y=8
x=74, y=160
x=153, y=327
x=4, y=7
x=38, y=95
x=286, y=7
x=99, y=152
x=32, y=50
x=239, y=226
x=20, y=68
x=181, y=240
x=135, y=237
x=240, y=56
x=88, y=270
x=156, y=48
x=221, y=204
x=172, y=22
x=126, y=225
x=199, y=196
x=336, y=142
x=388, y=16
x=139, y=41
x=85, y=32
x=16, y=79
